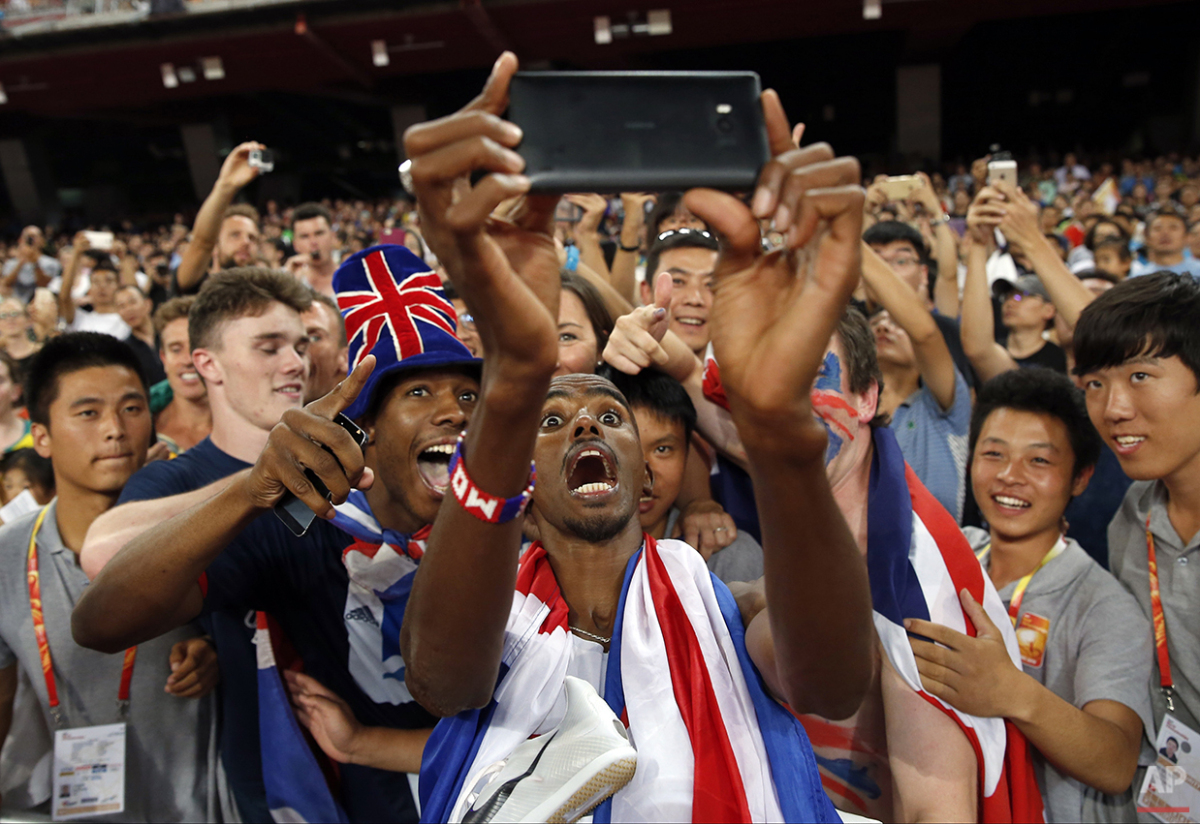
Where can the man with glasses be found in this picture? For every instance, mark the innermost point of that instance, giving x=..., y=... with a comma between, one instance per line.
x=903, y=248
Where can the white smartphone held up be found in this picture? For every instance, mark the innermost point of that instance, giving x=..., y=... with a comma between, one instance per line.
x=1005, y=170
x=100, y=241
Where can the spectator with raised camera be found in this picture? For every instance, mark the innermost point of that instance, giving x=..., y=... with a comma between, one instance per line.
x=30, y=267
x=224, y=235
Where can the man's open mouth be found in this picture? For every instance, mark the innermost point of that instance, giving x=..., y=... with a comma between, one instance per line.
x=433, y=465
x=591, y=472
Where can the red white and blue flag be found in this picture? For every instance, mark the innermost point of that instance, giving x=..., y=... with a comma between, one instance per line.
x=712, y=745
x=296, y=787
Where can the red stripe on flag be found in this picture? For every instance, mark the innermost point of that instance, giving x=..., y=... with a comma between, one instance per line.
x=717, y=790
x=536, y=579
x=964, y=569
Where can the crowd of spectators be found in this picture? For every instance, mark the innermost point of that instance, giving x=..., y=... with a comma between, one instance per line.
x=1013, y=372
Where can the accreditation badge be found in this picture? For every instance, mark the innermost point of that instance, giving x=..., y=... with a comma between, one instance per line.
x=1031, y=638
x=1171, y=788
x=89, y=772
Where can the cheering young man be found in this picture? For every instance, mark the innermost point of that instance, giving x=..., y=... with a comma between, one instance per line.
x=711, y=745
x=1138, y=355
x=339, y=592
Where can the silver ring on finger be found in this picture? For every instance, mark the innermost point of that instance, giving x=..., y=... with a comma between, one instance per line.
x=406, y=177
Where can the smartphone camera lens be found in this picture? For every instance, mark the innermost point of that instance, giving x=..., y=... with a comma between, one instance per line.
x=724, y=125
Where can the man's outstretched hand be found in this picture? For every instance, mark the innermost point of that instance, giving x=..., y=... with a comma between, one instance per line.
x=304, y=439
x=774, y=313
x=506, y=270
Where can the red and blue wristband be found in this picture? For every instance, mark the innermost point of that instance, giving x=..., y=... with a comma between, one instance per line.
x=487, y=508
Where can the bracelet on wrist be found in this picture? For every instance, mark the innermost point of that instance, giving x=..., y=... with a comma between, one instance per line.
x=490, y=509
x=634, y=248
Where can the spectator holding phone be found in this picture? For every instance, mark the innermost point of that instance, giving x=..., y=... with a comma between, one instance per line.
x=224, y=235
x=1031, y=305
x=315, y=243
x=30, y=268
x=923, y=393
x=104, y=315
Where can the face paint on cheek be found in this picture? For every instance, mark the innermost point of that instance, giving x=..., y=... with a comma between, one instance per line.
x=838, y=417
x=834, y=447
x=830, y=377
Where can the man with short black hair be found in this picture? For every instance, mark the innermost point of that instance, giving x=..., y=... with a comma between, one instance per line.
x=903, y=248
x=1080, y=692
x=688, y=256
x=1166, y=238
x=315, y=243
x=666, y=418
x=224, y=235
x=1138, y=356
x=87, y=400
x=249, y=345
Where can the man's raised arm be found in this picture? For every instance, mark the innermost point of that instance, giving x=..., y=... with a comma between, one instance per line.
x=152, y=585
x=773, y=316
x=508, y=275
x=236, y=172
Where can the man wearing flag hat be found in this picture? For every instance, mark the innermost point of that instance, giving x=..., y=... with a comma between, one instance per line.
x=339, y=592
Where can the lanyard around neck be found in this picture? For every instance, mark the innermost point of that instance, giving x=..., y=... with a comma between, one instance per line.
x=39, y=631
x=1014, y=604
x=1166, y=683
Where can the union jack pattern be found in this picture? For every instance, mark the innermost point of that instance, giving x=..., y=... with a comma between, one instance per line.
x=373, y=303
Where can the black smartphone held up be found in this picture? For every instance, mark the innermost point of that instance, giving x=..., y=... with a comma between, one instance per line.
x=294, y=513
x=639, y=131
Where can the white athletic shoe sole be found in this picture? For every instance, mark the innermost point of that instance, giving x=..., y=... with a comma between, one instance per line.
x=561, y=776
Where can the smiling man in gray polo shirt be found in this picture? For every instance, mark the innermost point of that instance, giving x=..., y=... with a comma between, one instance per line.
x=1138, y=353
x=1080, y=697
x=91, y=417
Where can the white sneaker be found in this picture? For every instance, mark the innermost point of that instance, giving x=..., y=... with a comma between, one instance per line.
x=561, y=776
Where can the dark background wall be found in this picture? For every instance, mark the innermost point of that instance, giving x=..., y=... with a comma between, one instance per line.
x=102, y=137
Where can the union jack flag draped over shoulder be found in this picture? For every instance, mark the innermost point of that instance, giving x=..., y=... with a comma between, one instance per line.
x=394, y=308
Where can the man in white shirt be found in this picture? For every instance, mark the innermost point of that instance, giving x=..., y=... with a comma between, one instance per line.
x=103, y=316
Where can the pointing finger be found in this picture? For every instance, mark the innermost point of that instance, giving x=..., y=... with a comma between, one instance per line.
x=662, y=290
x=346, y=392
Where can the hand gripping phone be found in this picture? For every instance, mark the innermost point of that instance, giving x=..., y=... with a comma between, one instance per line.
x=294, y=513
x=639, y=131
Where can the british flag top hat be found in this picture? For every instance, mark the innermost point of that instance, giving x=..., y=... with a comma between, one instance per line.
x=395, y=309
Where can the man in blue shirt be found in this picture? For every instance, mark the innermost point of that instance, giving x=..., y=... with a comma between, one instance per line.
x=249, y=345
x=1166, y=238
x=338, y=592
